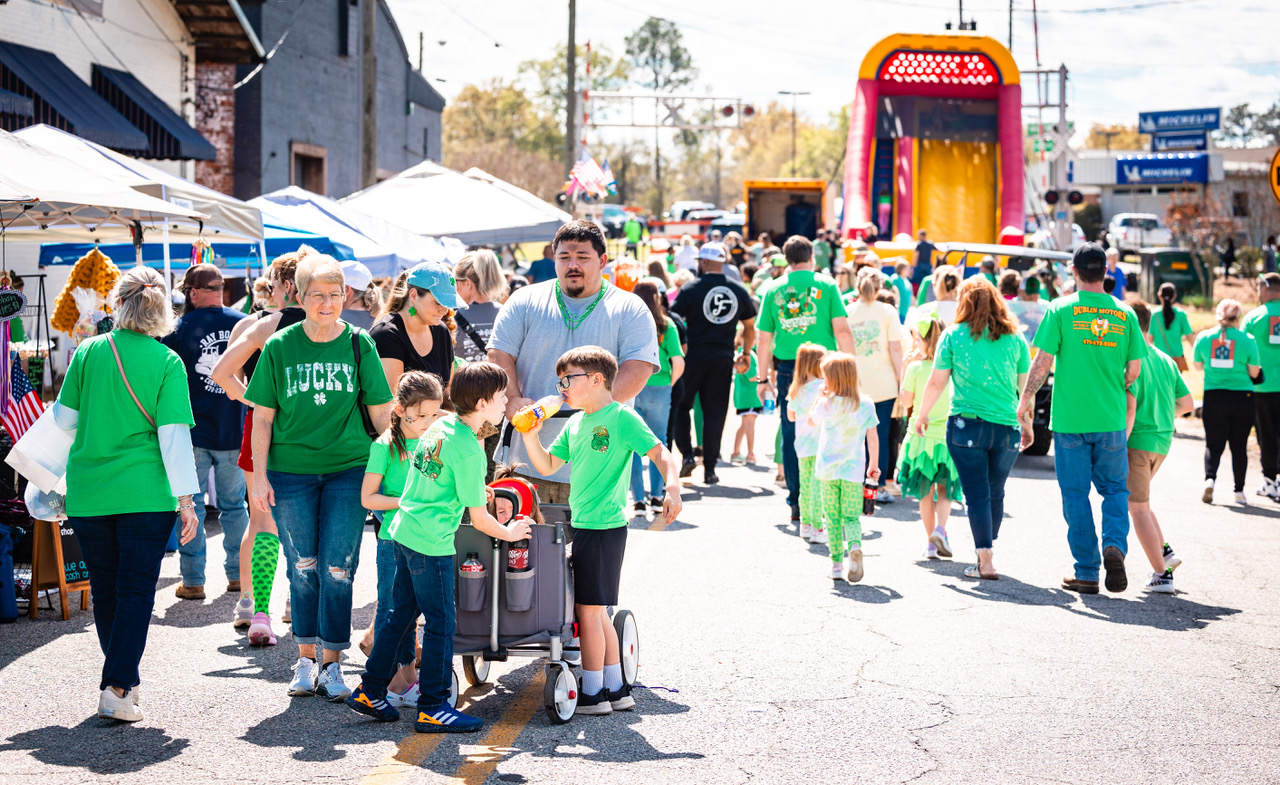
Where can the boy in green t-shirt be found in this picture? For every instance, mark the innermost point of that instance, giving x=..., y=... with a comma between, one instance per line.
x=598, y=442
x=447, y=473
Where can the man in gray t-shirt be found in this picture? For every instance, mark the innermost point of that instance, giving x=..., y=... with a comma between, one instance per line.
x=539, y=323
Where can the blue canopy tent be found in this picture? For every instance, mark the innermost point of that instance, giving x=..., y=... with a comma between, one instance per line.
x=231, y=256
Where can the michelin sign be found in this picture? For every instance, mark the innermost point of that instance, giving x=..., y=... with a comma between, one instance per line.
x=1183, y=120
x=1162, y=169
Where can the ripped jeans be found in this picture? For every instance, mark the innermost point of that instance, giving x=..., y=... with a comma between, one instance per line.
x=321, y=523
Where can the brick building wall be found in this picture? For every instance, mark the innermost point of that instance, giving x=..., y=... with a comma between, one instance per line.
x=215, y=119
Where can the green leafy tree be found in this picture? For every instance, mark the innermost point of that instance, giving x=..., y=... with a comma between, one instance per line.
x=662, y=64
x=496, y=127
x=548, y=83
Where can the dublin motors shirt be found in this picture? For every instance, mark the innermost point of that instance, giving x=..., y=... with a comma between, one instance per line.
x=446, y=474
x=200, y=339
x=712, y=306
x=798, y=308
x=315, y=390
x=1093, y=336
x=599, y=447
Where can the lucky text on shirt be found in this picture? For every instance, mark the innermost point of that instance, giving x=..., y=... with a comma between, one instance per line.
x=303, y=377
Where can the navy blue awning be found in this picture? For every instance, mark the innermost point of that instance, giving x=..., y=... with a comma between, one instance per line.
x=12, y=103
x=61, y=100
x=168, y=133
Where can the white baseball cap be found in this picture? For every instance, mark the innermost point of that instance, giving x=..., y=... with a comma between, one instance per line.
x=356, y=275
x=713, y=252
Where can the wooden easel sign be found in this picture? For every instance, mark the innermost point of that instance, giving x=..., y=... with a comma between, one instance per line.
x=56, y=562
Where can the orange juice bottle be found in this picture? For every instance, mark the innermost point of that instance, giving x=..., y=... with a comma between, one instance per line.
x=531, y=415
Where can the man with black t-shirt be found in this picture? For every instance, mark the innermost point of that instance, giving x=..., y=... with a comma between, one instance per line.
x=712, y=305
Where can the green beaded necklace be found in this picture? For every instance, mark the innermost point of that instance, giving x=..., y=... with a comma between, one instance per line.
x=570, y=321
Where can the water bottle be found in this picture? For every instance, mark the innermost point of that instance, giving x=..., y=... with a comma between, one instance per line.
x=770, y=402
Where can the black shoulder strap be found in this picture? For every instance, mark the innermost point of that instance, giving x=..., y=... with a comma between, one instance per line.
x=364, y=411
x=470, y=331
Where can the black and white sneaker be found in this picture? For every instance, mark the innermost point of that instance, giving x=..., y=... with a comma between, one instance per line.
x=620, y=699
x=1171, y=560
x=598, y=704
x=655, y=502
x=1161, y=582
x=639, y=507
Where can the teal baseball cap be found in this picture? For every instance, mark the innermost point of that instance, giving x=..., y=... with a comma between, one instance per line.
x=438, y=279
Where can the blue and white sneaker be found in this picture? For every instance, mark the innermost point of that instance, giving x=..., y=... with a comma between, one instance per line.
x=446, y=719
x=378, y=708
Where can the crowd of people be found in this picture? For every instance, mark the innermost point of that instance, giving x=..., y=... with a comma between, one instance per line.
x=337, y=395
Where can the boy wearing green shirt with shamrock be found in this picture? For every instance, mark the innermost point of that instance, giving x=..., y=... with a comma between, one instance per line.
x=598, y=443
x=447, y=474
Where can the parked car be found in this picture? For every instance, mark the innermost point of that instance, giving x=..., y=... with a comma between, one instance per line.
x=730, y=222
x=1133, y=231
x=680, y=210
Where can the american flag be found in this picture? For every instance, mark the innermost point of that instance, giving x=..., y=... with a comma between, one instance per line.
x=25, y=405
x=588, y=176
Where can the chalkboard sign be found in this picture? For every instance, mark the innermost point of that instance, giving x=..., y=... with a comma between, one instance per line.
x=12, y=304
x=72, y=560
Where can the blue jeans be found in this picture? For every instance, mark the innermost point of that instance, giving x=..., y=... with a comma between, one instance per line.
x=123, y=554
x=386, y=599
x=653, y=404
x=884, y=413
x=790, y=463
x=320, y=521
x=984, y=454
x=423, y=585
x=228, y=479
x=1102, y=458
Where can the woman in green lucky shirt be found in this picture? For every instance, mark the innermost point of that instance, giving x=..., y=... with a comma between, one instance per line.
x=135, y=431
x=1230, y=361
x=310, y=448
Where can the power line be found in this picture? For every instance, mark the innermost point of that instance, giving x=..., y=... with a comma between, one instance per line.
x=472, y=24
x=258, y=68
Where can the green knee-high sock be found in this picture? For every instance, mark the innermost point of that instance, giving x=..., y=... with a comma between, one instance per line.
x=266, y=554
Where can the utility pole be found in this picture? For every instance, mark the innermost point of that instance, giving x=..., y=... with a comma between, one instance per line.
x=571, y=95
x=1010, y=26
x=369, y=93
x=794, y=94
x=420, y=37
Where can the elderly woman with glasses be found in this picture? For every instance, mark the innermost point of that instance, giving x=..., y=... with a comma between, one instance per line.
x=310, y=447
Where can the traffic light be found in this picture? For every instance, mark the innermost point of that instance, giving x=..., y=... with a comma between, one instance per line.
x=1075, y=197
x=1051, y=197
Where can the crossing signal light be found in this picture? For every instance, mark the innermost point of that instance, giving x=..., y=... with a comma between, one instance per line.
x=1075, y=197
x=727, y=111
x=748, y=110
x=1051, y=197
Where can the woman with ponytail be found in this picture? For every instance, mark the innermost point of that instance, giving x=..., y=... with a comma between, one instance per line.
x=945, y=286
x=131, y=466
x=1230, y=361
x=1170, y=327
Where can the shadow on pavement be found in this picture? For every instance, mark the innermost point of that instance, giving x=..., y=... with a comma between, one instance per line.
x=1160, y=611
x=1256, y=512
x=1033, y=466
x=99, y=745
x=198, y=613
x=611, y=739
x=644, y=523
x=1007, y=589
x=693, y=493
x=25, y=636
x=863, y=592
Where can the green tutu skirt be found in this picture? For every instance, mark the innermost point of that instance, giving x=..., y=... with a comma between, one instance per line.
x=925, y=462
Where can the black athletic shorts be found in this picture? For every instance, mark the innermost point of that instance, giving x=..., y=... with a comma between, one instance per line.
x=597, y=565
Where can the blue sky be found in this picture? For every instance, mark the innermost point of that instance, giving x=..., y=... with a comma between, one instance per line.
x=1130, y=56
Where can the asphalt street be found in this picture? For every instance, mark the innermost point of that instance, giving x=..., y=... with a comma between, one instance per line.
x=756, y=666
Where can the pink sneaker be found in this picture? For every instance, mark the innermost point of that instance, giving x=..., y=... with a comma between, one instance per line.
x=260, y=633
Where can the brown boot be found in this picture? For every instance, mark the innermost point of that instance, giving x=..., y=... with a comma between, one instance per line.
x=233, y=586
x=185, y=592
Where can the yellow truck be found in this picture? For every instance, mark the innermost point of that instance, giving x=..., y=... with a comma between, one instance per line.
x=785, y=206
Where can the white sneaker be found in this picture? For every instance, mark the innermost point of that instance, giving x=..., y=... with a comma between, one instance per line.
x=1268, y=488
x=330, y=685
x=305, y=674
x=1207, y=497
x=818, y=537
x=883, y=496
x=242, y=616
x=805, y=531
x=1171, y=560
x=939, y=541
x=854, y=563
x=1161, y=583
x=930, y=552
x=837, y=571
x=1241, y=498
x=404, y=700
x=113, y=707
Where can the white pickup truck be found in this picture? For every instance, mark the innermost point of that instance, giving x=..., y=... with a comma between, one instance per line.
x=1131, y=231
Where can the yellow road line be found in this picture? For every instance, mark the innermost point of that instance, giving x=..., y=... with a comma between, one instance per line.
x=477, y=768
x=409, y=755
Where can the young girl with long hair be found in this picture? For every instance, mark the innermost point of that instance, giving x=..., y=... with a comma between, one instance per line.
x=418, y=399
x=926, y=470
x=803, y=394
x=848, y=456
x=1170, y=327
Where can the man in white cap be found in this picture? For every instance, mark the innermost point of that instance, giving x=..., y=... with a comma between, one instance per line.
x=363, y=298
x=712, y=305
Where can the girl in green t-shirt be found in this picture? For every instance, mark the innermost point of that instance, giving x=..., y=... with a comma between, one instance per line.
x=418, y=399
x=747, y=404
x=1229, y=359
x=1170, y=326
x=804, y=390
x=925, y=469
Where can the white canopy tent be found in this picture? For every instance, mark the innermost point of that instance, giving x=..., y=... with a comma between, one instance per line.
x=222, y=218
x=436, y=201
x=383, y=247
x=46, y=197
